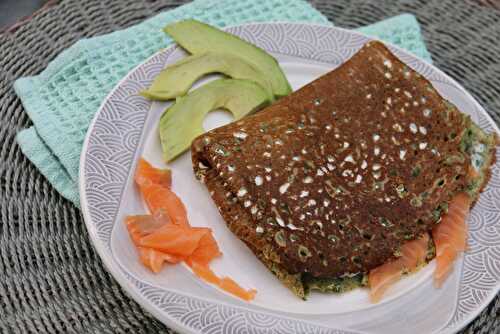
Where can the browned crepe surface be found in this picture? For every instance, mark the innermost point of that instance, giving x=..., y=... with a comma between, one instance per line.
x=334, y=178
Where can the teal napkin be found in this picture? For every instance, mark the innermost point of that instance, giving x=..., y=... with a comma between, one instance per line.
x=62, y=100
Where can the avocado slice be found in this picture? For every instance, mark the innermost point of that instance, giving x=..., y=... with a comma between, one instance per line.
x=182, y=122
x=177, y=79
x=197, y=37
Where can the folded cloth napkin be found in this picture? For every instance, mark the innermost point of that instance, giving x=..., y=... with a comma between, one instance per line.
x=62, y=100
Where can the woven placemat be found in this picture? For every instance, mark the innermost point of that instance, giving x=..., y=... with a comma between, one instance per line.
x=51, y=279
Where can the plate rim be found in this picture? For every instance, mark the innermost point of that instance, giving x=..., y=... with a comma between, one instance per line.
x=113, y=266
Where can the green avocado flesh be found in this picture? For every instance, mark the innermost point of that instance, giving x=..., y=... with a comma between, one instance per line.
x=197, y=38
x=183, y=121
x=177, y=79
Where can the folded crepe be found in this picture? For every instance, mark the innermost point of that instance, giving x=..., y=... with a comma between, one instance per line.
x=329, y=182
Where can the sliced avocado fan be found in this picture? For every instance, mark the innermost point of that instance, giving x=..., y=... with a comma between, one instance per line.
x=176, y=80
x=197, y=37
x=183, y=121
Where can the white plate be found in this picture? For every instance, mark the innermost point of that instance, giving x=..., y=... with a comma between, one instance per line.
x=125, y=128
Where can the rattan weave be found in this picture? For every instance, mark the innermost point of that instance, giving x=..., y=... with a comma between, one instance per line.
x=51, y=279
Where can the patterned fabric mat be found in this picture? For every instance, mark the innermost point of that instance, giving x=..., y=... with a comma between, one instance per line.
x=52, y=279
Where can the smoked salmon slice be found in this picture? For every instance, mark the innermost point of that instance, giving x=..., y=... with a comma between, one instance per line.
x=160, y=198
x=225, y=283
x=146, y=173
x=229, y=285
x=413, y=253
x=154, y=184
x=204, y=272
x=165, y=235
x=450, y=237
x=207, y=250
x=142, y=225
x=174, y=239
x=154, y=259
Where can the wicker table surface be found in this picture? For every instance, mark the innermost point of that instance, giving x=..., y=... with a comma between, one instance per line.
x=51, y=278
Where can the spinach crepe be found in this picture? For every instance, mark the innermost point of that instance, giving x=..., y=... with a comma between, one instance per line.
x=329, y=182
